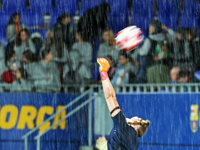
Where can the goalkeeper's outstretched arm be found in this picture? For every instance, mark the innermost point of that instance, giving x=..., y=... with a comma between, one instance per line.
x=108, y=89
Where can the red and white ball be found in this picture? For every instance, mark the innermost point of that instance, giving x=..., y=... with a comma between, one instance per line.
x=128, y=38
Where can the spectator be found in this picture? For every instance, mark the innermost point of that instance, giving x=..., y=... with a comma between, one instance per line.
x=123, y=70
x=106, y=47
x=134, y=78
x=159, y=73
x=183, y=77
x=84, y=50
x=62, y=30
x=14, y=27
x=140, y=67
x=37, y=40
x=93, y=20
x=2, y=59
x=174, y=73
x=23, y=43
x=20, y=84
x=10, y=67
x=182, y=55
x=10, y=60
x=162, y=51
x=46, y=74
x=29, y=57
x=76, y=72
x=194, y=48
x=58, y=49
x=29, y=63
x=157, y=69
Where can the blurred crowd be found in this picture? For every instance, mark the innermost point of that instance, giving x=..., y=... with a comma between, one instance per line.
x=165, y=56
x=168, y=56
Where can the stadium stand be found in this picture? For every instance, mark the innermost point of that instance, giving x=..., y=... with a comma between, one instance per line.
x=168, y=19
x=145, y=6
x=168, y=12
x=44, y=6
x=14, y=6
x=119, y=13
x=118, y=5
x=191, y=7
x=69, y=6
x=32, y=18
x=143, y=13
x=118, y=21
x=168, y=6
x=140, y=13
x=189, y=20
x=87, y=4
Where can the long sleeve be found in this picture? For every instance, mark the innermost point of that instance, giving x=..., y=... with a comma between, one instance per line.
x=66, y=70
x=101, y=51
x=105, y=49
x=56, y=76
x=88, y=55
x=24, y=86
x=74, y=46
x=145, y=47
x=2, y=66
x=85, y=52
x=42, y=72
x=171, y=35
x=2, y=59
x=84, y=74
x=65, y=55
x=31, y=46
x=36, y=71
x=2, y=55
x=23, y=47
x=10, y=34
x=39, y=75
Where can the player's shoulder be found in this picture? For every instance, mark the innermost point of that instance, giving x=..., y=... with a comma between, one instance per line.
x=119, y=119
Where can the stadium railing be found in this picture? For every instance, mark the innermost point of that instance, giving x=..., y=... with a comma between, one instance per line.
x=124, y=88
x=142, y=88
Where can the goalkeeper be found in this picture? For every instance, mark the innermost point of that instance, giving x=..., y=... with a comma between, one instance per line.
x=125, y=133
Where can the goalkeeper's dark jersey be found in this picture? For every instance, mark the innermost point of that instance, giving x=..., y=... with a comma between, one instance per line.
x=122, y=136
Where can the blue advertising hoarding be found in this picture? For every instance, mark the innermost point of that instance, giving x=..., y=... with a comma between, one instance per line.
x=171, y=117
x=19, y=113
x=174, y=120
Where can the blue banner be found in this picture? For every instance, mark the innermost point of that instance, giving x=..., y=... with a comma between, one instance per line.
x=174, y=120
x=172, y=116
x=19, y=113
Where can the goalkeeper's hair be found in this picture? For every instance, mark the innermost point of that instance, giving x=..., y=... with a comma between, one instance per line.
x=143, y=125
x=143, y=128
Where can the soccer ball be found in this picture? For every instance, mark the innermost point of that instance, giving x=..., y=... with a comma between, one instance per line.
x=128, y=38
